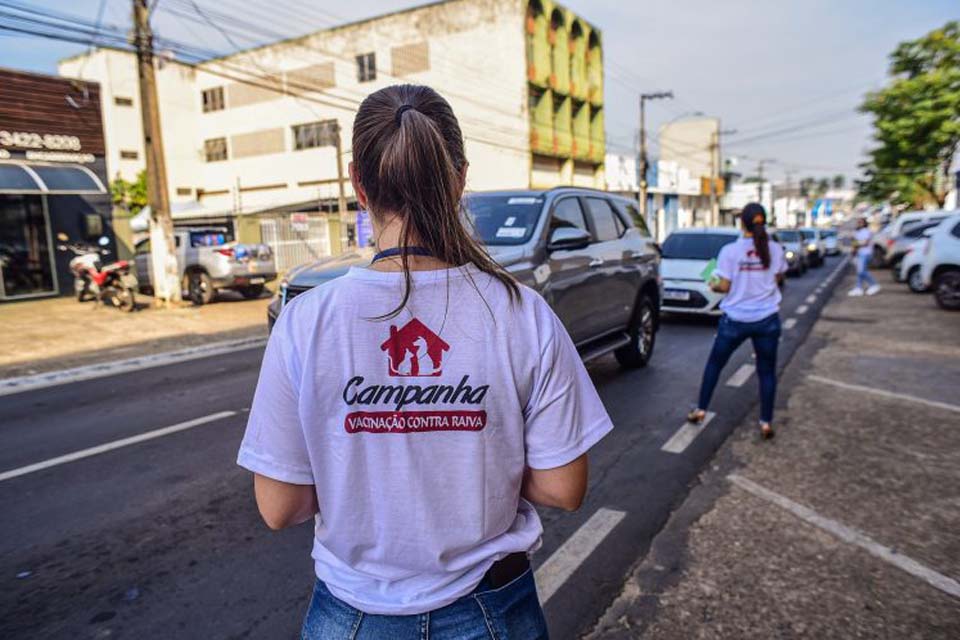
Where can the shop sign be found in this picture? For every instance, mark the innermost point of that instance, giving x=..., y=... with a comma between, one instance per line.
x=33, y=140
x=299, y=222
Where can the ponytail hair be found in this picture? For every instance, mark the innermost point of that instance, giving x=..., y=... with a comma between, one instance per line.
x=753, y=219
x=408, y=156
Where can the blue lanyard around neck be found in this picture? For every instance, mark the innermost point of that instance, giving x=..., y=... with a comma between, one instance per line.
x=396, y=251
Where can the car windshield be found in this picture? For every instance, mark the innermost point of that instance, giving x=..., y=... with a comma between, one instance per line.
x=504, y=219
x=829, y=233
x=788, y=235
x=695, y=246
x=808, y=235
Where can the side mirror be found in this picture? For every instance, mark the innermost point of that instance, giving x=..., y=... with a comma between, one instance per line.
x=568, y=239
x=103, y=241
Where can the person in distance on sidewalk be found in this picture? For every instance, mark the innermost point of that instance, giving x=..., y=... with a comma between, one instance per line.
x=750, y=271
x=417, y=408
x=861, y=254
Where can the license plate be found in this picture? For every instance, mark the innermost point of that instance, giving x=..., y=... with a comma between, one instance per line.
x=676, y=295
x=257, y=280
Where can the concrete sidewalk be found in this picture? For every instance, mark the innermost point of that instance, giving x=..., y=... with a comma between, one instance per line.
x=847, y=524
x=59, y=333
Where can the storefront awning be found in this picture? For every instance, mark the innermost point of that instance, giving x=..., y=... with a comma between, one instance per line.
x=48, y=179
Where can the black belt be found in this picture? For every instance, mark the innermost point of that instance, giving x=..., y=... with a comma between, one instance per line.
x=507, y=569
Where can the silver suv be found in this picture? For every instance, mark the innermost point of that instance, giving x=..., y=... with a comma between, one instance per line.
x=588, y=253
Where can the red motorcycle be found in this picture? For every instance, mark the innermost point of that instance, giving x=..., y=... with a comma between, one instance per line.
x=111, y=283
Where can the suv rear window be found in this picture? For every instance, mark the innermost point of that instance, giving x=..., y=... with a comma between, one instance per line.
x=695, y=246
x=504, y=219
x=209, y=238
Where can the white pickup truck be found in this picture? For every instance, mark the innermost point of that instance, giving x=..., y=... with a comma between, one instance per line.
x=211, y=260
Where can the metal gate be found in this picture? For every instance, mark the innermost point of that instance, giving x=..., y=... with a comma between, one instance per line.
x=297, y=241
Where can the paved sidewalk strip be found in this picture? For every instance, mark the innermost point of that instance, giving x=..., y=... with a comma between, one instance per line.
x=104, y=369
x=570, y=555
x=852, y=536
x=686, y=434
x=886, y=394
x=116, y=444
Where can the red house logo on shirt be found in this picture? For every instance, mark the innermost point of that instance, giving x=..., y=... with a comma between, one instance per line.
x=414, y=350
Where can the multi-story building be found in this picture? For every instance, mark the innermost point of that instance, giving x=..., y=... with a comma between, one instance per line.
x=252, y=137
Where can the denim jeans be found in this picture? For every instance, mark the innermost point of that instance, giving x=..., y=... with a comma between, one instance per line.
x=765, y=335
x=863, y=272
x=511, y=612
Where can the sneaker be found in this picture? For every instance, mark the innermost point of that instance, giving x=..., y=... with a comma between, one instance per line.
x=856, y=291
x=873, y=290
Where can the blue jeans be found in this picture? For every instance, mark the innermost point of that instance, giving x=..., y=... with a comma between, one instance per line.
x=863, y=272
x=765, y=335
x=510, y=612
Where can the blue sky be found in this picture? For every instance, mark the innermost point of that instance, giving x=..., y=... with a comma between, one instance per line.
x=786, y=74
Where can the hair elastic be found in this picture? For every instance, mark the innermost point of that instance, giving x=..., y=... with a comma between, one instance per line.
x=398, y=116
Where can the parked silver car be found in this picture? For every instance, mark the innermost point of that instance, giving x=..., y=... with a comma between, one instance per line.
x=210, y=260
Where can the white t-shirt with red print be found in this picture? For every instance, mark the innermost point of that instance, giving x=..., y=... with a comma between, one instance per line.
x=415, y=430
x=754, y=293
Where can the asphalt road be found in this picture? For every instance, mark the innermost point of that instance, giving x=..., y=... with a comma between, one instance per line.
x=161, y=539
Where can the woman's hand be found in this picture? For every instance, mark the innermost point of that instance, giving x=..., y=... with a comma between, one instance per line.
x=563, y=487
x=283, y=504
x=720, y=285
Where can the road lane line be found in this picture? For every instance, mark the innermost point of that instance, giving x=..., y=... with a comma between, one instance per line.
x=11, y=386
x=811, y=299
x=685, y=435
x=853, y=537
x=886, y=394
x=574, y=551
x=802, y=309
x=116, y=444
x=789, y=323
x=741, y=375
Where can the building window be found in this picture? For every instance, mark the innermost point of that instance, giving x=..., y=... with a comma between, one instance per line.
x=213, y=99
x=215, y=149
x=123, y=102
x=315, y=134
x=184, y=191
x=128, y=155
x=366, y=67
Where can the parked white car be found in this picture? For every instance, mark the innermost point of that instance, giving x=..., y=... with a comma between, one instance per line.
x=912, y=264
x=885, y=238
x=941, y=263
x=685, y=255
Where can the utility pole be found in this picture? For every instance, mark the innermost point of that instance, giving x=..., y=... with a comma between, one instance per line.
x=715, y=172
x=760, y=164
x=163, y=256
x=341, y=193
x=659, y=95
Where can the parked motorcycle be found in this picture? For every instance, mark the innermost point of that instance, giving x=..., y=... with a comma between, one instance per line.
x=111, y=283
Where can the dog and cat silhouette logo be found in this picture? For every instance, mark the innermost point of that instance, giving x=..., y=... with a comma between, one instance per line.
x=414, y=351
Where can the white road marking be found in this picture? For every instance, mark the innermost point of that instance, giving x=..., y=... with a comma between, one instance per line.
x=811, y=299
x=741, y=375
x=789, y=323
x=802, y=309
x=116, y=444
x=853, y=537
x=886, y=394
x=685, y=435
x=565, y=560
x=89, y=372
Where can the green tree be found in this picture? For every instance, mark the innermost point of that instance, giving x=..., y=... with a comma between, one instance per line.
x=916, y=122
x=132, y=195
x=839, y=181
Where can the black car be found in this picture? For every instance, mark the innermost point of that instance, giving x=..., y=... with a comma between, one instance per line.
x=588, y=253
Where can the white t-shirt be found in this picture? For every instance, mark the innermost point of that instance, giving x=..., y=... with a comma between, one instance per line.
x=863, y=236
x=416, y=430
x=754, y=293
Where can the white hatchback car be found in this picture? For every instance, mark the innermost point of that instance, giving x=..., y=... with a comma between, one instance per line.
x=685, y=255
x=941, y=263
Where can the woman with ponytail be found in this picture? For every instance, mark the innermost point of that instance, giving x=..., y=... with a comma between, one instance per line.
x=750, y=271
x=416, y=409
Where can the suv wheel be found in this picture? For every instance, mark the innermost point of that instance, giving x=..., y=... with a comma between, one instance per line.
x=199, y=287
x=643, y=335
x=946, y=290
x=915, y=280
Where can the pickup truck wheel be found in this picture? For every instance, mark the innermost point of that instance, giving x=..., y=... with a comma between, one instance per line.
x=198, y=287
x=946, y=290
x=643, y=335
x=251, y=292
